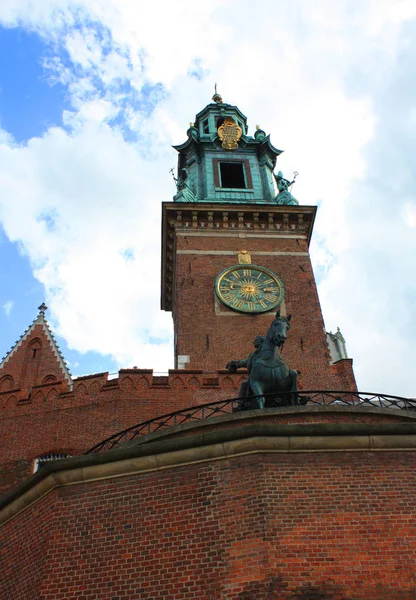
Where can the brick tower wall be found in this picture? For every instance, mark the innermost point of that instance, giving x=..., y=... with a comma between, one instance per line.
x=202, y=241
x=212, y=334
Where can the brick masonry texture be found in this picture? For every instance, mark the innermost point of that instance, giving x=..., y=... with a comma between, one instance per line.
x=50, y=418
x=211, y=339
x=39, y=414
x=311, y=526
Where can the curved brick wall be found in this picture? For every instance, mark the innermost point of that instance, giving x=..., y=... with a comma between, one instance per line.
x=217, y=519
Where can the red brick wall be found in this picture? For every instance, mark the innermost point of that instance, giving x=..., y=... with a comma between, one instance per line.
x=212, y=339
x=22, y=579
x=308, y=526
x=73, y=422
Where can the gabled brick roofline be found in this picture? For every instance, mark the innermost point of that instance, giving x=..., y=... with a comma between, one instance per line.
x=40, y=320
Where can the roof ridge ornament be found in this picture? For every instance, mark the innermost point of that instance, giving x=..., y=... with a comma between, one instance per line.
x=216, y=97
x=42, y=309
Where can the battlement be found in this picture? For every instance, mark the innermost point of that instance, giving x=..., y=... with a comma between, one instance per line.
x=70, y=421
x=131, y=383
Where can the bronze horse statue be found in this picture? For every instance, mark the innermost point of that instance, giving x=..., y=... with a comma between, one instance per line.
x=269, y=375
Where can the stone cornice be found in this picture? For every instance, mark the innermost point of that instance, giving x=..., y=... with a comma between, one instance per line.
x=223, y=220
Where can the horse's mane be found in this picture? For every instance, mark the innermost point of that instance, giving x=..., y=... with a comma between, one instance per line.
x=282, y=318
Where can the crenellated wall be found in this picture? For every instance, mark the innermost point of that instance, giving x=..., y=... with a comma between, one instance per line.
x=54, y=419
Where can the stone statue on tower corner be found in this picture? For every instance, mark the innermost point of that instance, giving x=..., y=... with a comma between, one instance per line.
x=284, y=196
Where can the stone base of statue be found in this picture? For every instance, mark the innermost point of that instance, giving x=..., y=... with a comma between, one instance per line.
x=251, y=402
x=286, y=198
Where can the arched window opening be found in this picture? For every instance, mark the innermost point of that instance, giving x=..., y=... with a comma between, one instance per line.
x=6, y=383
x=34, y=349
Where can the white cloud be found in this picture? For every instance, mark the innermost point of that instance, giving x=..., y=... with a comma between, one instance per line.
x=315, y=77
x=7, y=307
x=409, y=214
x=87, y=198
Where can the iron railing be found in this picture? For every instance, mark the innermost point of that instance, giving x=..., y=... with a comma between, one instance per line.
x=225, y=407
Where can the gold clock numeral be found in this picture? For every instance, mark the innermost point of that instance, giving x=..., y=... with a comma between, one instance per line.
x=228, y=297
x=271, y=297
x=247, y=272
x=251, y=306
x=262, y=303
x=236, y=274
x=268, y=281
x=237, y=303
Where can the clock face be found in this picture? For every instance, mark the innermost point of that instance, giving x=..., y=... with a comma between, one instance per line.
x=249, y=289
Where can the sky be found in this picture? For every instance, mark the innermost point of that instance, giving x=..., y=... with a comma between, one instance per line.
x=93, y=93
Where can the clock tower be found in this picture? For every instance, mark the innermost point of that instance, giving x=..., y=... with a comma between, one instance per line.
x=235, y=248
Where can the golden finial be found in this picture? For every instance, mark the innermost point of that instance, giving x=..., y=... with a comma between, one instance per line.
x=216, y=97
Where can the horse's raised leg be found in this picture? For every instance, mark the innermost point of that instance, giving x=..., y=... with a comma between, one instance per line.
x=257, y=391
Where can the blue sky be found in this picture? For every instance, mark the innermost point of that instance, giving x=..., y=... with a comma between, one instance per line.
x=94, y=93
x=29, y=106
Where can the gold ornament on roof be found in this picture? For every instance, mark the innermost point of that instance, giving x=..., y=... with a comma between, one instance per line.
x=244, y=257
x=230, y=133
x=216, y=97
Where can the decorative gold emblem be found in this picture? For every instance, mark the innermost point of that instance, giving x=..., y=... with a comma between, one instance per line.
x=229, y=132
x=249, y=289
x=244, y=257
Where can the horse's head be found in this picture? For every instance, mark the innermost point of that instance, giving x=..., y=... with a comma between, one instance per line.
x=278, y=329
